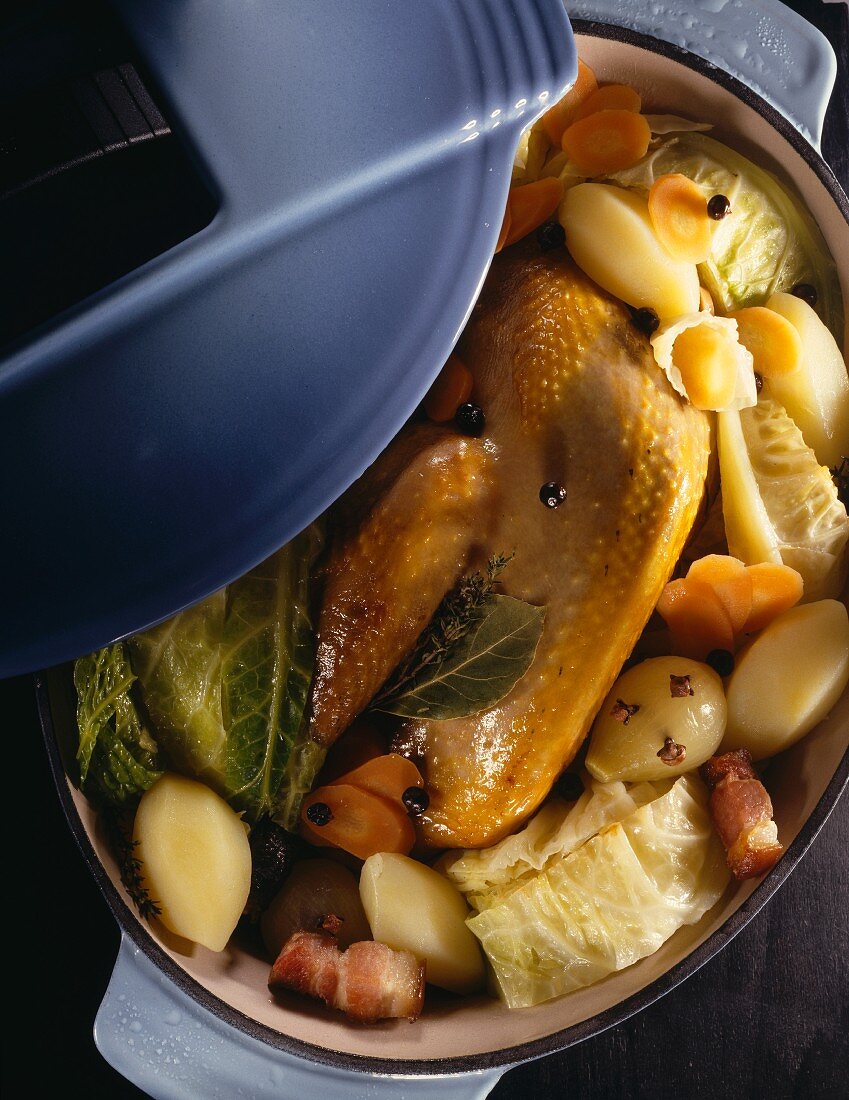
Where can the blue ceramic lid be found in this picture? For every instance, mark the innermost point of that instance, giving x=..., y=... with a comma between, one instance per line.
x=172, y=430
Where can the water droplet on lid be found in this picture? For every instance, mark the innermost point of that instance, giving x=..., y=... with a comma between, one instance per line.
x=173, y=1017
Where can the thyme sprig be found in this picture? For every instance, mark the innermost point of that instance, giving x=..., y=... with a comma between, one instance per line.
x=840, y=475
x=451, y=622
x=117, y=826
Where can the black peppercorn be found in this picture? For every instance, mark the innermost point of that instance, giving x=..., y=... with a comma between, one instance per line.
x=806, y=292
x=470, y=419
x=552, y=494
x=721, y=661
x=569, y=786
x=551, y=235
x=645, y=319
x=416, y=800
x=718, y=207
x=319, y=813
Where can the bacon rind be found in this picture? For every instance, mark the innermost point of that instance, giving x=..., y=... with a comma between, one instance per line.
x=742, y=814
x=370, y=981
x=731, y=764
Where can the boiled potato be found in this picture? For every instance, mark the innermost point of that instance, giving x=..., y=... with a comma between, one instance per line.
x=196, y=859
x=610, y=236
x=626, y=741
x=413, y=908
x=817, y=395
x=788, y=679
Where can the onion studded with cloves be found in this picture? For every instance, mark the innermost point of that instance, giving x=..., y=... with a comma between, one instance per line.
x=661, y=718
x=315, y=890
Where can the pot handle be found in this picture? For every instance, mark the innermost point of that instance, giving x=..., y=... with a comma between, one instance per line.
x=167, y=1044
x=770, y=48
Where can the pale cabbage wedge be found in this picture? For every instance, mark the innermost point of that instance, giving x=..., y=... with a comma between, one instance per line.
x=530, y=155
x=611, y=902
x=769, y=242
x=779, y=504
x=663, y=346
x=487, y=875
x=672, y=124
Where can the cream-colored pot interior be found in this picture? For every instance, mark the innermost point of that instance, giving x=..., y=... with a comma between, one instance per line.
x=454, y=1028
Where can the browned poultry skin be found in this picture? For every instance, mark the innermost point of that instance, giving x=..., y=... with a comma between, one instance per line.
x=572, y=395
x=403, y=535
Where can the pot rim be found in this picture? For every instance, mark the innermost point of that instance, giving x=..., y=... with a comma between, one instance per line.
x=594, y=1025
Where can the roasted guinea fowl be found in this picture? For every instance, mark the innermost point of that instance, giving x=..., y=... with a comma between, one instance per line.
x=572, y=395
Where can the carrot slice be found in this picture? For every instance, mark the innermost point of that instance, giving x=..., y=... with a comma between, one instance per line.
x=678, y=212
x=731, y=581
x=610, y=97
x=696, y=617
x=530, y=205
x=607, y=141
x=775, y=344
x=557, y=118
x=505, y=229
x=708, y=366
x=357, y=821
x=453, y=387
x=775, y=589
x=387, y=776
x=361, y=742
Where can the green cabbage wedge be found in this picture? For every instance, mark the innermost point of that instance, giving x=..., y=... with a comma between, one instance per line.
x=118, y=759
x=226, y=682
x=607, y=904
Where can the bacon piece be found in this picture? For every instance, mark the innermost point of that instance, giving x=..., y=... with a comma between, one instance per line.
x=742, y=814
x=369, y=981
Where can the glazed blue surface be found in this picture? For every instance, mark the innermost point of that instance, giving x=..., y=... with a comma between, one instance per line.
x=773, y=50
x=177, y=427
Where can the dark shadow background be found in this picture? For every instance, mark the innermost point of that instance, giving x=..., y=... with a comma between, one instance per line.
x=767, y=1018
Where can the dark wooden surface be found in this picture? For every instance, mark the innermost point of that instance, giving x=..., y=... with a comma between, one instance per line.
x=767, y=1018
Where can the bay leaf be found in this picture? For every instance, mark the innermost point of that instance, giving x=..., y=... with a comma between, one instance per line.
x=480, y=669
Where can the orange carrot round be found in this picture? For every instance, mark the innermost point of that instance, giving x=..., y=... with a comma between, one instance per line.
x=346, y=817
x=452, y=388
x=361, y=742
x=387, y=776
x=775, y=589
x=696, y=617
x=607, y=141
x=678, y=212
x=708, y=366
x=610, y=97
x=530, y=205
x=557, y=118
x=775, y=344
x=731, y=581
